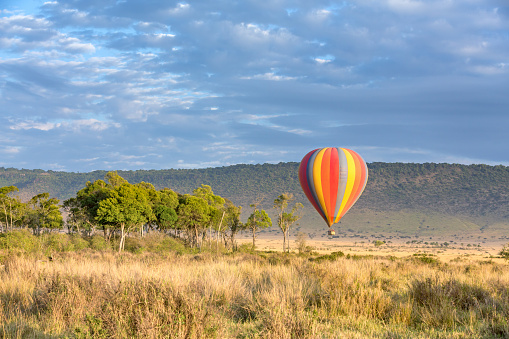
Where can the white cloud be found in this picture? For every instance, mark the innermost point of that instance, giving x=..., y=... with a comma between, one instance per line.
x=406, y=6
x=487, y=70
x=270, y=76
x=170, y=79
x=89, y=124
x=324, y=59
x=25, y=125
x=73, y=45
x=179, y=9
x=69, y=125
x=10, y=149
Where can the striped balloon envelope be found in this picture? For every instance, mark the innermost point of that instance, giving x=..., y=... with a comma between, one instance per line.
x=333, y=179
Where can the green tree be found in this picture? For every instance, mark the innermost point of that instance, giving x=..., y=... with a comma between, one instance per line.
x=83, y=208
x=193, y=216
x=126, y=209
x=44, y=213
x=286, y=218
x=216, y=208
x=114, y=179
x=258, y=220
x=232, y=223
x=76, y=217
x=12, y=210
x=166, y=217
x=164, y=204
x=505, y=252
x=168, y=198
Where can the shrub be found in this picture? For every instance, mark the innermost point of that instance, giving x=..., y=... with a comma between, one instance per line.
x=301, y=243
x=56, y=242
x=175, y=245
x=20, y=239
x=505, y=252
x=134, y=245
x=245, y=248
x=425, y=258
x=97, y=242
x=331, y=257
x=79, y=243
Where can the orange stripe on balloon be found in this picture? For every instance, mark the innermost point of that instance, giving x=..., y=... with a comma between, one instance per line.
x=304, y=167
x=317, y=179
x=325, y=169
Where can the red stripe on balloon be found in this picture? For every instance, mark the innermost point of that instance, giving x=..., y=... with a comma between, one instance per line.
x=325, y=179
x=334, y=181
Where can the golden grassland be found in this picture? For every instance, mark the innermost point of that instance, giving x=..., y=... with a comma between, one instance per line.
x=400, y=248
x=100, y=294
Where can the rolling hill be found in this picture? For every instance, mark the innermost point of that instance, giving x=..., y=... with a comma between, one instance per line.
x=400, y=198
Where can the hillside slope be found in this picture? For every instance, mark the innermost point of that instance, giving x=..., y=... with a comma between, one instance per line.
x=399, y=197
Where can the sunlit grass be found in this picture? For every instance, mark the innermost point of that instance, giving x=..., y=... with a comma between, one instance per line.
x=99, y=294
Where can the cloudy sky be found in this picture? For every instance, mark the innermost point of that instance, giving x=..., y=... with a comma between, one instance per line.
x=153, y=84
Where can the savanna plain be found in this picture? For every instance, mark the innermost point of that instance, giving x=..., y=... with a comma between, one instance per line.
x=68, y=286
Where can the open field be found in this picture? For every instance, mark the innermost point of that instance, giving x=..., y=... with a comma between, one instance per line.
x=397, y=247
x=169, y=291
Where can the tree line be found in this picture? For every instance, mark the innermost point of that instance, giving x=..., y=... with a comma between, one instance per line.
x=473, y=190
x=118, y=208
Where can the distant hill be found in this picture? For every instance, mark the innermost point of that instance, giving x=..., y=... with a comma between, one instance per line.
x=404, y=198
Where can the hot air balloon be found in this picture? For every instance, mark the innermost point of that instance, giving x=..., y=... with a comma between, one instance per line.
x=333, y=179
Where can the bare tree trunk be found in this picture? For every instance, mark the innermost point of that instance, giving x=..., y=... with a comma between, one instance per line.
x=6, y=219
x=122, y=237
x=210, y=236
x=254, y=236
x=288, y=240
x=10, y=214
x=219, y=228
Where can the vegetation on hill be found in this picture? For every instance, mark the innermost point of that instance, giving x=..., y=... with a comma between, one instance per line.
x=452, y=188
x=476, y=194
x=475, y=190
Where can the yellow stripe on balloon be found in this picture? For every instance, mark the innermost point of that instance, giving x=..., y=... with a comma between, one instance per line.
x=317, y=178
x=350, y=181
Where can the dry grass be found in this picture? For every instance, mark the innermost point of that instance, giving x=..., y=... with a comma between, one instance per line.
x=397, y=248
x=91, y=294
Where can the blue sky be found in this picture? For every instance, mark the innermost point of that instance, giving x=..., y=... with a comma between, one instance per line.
x=152, y=84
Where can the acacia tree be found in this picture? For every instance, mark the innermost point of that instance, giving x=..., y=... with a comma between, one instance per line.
x=76, y=216
x=165, y=217
x=286, y=218
x=83, y=208
x=258, y=220
x=45, y=213
x=232, y=224
x=126, y=209
x=216, y=208
x=164, y=204
x=12, y=210
x=193, y=215
x=114, y=179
